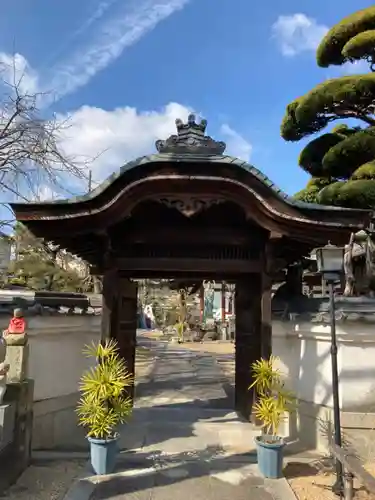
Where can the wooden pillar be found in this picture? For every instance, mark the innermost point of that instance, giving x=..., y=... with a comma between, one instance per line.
x=109, y=294
x=201, y=302
x=119, y=319
x=248, y=339
x=266, y=340
x=223, y=302
x=294, y=280
x=230, y=302
x=126, y=328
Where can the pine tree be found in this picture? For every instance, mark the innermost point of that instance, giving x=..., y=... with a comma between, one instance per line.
x=342, y=161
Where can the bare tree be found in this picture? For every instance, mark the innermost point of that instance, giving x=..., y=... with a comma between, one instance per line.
x=32, y=161
x=31, y=155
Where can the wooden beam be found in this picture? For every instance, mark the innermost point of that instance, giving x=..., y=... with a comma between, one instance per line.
x=155, y=264
x=216, y=235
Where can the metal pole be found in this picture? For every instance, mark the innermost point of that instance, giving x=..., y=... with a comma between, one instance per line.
x=338, y=487
x=348, y=486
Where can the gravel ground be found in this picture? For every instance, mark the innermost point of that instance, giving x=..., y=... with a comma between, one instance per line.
x=310, y=482
x=46, y=480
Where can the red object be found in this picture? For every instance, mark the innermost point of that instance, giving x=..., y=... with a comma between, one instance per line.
x=17, y=325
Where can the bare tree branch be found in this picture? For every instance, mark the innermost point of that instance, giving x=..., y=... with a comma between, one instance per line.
x=32, y=160
x=31, y=151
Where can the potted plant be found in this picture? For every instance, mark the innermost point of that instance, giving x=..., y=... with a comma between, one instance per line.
x=104, y=404
x=271, y=407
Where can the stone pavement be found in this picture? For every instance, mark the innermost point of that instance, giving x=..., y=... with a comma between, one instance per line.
x=184, y=440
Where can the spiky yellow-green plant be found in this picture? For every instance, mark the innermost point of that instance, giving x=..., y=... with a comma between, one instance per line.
x=180, y=328
x=273, y=400
x=103, y=404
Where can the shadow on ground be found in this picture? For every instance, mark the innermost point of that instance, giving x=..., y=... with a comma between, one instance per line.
x=206, y=474
x=186, y=441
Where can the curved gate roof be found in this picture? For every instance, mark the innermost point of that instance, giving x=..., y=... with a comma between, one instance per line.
x=190, y=155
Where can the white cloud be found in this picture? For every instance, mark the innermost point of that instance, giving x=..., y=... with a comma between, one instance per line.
x=111, y=138
x=44, y=192
x=16, y=70
x=110, y=40
x=236, y=144
x=117, y=136
x=297, y=33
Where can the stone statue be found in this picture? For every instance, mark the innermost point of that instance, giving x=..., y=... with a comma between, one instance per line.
x=4, y=368
x=149, y=316
x=348, y=268
x=359, y=265
x=209, y=295
x=15, y=334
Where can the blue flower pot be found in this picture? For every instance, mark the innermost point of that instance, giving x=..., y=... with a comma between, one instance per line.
x=270, y=453
x=103, y=453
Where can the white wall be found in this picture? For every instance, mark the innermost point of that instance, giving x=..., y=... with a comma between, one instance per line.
x=56, y=360
x=56, y=342
x=304, y=351
x=56, y=364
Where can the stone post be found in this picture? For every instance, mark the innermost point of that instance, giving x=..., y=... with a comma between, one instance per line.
x=17, y=356
x=16, y=414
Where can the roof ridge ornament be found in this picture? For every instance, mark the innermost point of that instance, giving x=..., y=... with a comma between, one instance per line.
x=191, y=139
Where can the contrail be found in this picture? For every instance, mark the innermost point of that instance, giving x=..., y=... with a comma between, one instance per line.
x=98, y=13
x=110, y=41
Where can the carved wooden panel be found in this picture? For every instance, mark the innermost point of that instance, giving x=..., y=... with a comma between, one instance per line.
x=190, y=205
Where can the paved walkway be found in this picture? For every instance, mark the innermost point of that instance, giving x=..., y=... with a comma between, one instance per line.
x=184, y=440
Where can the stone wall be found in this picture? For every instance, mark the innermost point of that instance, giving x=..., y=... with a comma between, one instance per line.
x=16, y=422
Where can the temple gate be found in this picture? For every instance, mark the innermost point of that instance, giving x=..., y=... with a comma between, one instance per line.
x=191, y=212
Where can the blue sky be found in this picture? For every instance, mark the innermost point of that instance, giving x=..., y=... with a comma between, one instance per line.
x=124, y=70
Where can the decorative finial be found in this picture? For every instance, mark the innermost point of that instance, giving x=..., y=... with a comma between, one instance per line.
x=191, y=139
